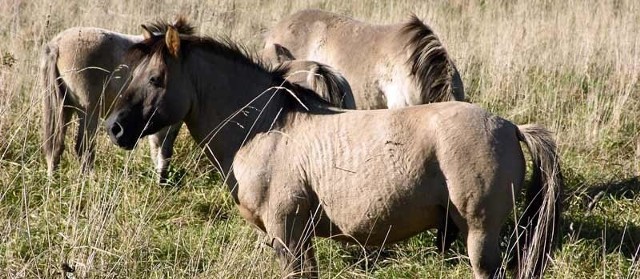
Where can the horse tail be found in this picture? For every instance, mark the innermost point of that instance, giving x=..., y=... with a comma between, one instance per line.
x=331, y=85
x=430, y=64
x=325, y=82
x=541, y=218
x=53, y=105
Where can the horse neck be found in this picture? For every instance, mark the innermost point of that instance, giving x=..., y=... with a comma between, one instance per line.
x=232, y=104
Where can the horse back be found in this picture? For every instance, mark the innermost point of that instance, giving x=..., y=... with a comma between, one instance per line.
x=367, y=170
x=357, y=49
x=88, y=60
x=388, y=66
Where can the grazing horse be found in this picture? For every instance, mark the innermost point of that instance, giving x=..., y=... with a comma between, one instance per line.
x=388, y=66
x=298, y=167
x=81, y=69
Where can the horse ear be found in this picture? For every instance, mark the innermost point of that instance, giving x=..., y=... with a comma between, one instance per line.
x=146, y=33
x=283, y=53
x=172, y=39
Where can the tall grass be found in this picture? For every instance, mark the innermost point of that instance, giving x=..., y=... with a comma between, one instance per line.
x=570, y=65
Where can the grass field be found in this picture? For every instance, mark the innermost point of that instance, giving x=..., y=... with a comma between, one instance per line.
x=570, y=65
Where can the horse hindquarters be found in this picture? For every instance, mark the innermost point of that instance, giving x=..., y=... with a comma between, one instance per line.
x=481, y=179
x=56, y=113
x=75, y=91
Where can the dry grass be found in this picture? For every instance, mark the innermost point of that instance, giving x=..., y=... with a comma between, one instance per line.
x=570, y=65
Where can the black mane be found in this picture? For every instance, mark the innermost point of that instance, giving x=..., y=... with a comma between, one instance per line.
x=181, y=25
x=429, y=62
x=224, y=47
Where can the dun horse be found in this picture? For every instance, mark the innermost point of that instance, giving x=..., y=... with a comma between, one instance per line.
x=82, y=74
x=388, y=66
x=298, y=167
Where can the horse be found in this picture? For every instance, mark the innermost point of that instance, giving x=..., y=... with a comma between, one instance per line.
x=298, y=167
x=81, y=70
x=388, y=66
x=369, y=73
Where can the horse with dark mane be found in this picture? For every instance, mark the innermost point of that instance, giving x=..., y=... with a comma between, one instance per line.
x=82, y=70
x=298, y=167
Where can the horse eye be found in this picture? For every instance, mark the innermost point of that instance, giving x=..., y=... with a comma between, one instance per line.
x=155, y=81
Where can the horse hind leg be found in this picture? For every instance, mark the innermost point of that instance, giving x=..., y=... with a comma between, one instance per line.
x=484, y=252
x=296, y=260
x=54, y=134
x=480, y=223
x=161, y=147
x=482, y=235
x=56, y=111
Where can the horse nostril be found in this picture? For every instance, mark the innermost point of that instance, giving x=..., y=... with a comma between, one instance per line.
x=117, y=130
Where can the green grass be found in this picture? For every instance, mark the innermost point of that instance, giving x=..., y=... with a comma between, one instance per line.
x=570, y=65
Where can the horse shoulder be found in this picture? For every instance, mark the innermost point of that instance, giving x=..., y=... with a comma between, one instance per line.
x=259, y=163
x=269, y=181
x=250, y=192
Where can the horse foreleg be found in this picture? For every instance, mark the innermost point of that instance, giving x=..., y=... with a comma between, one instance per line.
x=291, y=240
x=85, y=139
x=161, y=146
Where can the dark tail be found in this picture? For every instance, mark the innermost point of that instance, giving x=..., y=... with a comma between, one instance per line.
x=541, y=219
x=430, y=64
x=331, y=85
x=322, y=79
x=53, y=105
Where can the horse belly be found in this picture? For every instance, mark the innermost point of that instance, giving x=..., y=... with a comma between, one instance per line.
x=381, y=217
x=407, y=220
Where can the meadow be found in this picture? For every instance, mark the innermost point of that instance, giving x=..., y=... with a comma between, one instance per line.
x=573, y=66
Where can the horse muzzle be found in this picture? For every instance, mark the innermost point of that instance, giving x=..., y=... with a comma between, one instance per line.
x=118, y=134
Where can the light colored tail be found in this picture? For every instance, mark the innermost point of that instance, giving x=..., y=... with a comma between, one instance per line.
x=53, y=119
x=541, y=218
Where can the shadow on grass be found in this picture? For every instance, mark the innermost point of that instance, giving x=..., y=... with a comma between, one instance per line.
x=628, y=188
x=369, y=258
x=616, y=238
x=420, y=248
